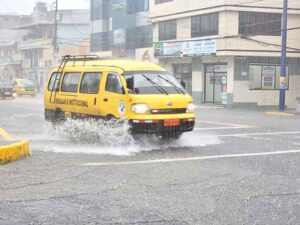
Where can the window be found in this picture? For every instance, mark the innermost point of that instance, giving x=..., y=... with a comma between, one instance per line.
x=101, y=41
x=266, y=77
x=255, y=23
x=150, y=82
x=134, y=6
x=161, y=1
x=90, y=83
x=100, y=10
x=205, y=25
x=113, y=84
x=139, y=37
x=167, y=30
x=70, y=82
x=54, y=81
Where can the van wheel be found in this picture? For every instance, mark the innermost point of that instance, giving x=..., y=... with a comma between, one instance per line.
x=59, y=116
x=109, y=117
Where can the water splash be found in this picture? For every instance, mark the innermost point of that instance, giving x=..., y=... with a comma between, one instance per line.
x=112, y=137
x=100, y=132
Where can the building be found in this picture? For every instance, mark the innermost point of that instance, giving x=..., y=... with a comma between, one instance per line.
x=228, y=51
x=37, y=47
x=121, y=29
x=10, y=58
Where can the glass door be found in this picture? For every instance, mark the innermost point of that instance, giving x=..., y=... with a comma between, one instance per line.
x=213, y=83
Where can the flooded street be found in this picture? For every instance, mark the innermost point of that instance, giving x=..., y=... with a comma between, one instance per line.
x=233, y=168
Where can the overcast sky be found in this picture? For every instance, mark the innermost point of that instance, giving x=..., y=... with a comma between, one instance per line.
x=26, y=6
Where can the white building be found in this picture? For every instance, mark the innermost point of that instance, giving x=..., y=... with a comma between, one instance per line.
x=228, y=51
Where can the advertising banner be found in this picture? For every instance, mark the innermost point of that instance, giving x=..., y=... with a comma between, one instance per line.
x=185, y=48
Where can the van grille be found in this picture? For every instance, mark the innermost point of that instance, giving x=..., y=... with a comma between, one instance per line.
x=168, y=111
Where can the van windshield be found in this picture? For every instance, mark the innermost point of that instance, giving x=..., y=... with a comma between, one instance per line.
x=149, y=82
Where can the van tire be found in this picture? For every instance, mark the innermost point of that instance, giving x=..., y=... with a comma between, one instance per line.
x=59, y=116
x=110, y=117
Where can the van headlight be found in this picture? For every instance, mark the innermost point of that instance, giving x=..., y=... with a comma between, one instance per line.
x=140, y=108
x=190, y=108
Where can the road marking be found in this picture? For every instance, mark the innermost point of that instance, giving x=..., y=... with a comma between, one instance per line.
x=223, y=123
x=250, y=134
x=223, y=128
x=257, y=138
x=5, y=135
x=193, y=158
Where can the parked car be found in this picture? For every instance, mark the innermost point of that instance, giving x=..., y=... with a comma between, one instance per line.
x=25, y=87
x=7, y=89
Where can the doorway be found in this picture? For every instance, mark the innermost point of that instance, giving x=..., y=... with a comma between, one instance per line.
x=183, y=73
x=213, y=82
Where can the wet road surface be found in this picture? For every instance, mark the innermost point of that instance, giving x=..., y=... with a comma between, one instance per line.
x=237, y=167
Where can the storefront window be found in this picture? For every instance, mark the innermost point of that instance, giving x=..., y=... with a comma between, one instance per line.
x=265, y=77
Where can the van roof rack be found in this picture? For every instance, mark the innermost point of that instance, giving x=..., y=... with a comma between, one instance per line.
x=83, y=58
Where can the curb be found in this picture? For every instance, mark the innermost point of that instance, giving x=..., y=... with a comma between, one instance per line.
x=11, y=150
x=15, y=151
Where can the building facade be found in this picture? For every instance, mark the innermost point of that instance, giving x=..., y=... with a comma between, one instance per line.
x=36, y=48
x=228, y=52
x=121, y=29
x=10, y=57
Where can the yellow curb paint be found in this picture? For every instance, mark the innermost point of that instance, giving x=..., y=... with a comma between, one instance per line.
x=279, y=114
x=12, y=152
x=5, y=135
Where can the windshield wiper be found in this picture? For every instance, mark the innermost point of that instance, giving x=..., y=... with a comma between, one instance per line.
x=175, y=87
x=158, y=87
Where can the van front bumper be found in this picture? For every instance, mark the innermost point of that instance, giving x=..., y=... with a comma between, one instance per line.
x=158, y=127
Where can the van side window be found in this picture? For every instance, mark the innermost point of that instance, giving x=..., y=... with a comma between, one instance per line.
x=90, y=83
x=70, y=82
x=113, y=84
x=55, y=77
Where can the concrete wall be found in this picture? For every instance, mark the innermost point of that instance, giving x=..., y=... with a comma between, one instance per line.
x=266, y=97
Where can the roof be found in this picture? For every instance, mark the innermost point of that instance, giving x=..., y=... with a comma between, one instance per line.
x=126, y=65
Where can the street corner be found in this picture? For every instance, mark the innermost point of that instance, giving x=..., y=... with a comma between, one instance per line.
x=12, y=150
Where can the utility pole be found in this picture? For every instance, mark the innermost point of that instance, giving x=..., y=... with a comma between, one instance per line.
x=55, y=45
x=282, y=85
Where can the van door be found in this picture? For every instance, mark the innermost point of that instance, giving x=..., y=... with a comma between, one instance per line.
x=67, y=98
x=88, y=97
x=114, y=99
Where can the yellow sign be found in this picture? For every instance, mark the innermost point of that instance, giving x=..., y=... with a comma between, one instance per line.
x=282, y=80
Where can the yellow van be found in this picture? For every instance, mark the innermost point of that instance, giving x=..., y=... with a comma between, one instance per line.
x=144, y=93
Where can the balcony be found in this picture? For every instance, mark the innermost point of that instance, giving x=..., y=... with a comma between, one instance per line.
x=34, y=44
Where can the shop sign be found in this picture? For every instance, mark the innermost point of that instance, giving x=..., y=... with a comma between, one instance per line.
x=186, y=48
x=172, y=49
x=268, y=77
x=119, y=36
x=196, y=48
x=224, y=89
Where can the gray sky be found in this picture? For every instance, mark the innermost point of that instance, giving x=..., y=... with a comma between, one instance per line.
x=26, y=6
